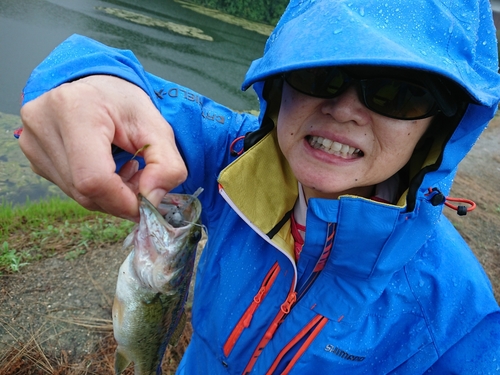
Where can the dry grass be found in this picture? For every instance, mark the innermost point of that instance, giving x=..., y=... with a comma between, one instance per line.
x=29, y=358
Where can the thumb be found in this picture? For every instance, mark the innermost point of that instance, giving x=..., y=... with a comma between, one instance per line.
x=165, y=168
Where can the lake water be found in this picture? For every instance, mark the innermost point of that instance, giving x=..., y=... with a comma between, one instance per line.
x=30, y=29
x=211, y=60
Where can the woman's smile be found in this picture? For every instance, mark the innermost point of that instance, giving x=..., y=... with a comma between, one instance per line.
x=334, y=148
x=338, y=146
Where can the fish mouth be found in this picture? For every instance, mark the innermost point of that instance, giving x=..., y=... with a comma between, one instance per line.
x=333, y=147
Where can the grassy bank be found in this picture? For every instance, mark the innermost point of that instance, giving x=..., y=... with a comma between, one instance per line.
x=57, y=226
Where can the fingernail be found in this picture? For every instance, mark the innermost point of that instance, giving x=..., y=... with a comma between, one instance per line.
x=156, y=196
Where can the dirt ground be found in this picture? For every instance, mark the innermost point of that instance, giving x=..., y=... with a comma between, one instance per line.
x=478, y=179
x=55, y=316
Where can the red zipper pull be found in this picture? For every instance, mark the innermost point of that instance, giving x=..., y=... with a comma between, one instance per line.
x=257, y=299
x=285, y=309
x=290, y=300
x=258, y=296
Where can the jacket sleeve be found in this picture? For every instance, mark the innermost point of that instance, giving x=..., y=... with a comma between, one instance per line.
x=476, y=353
x=79, y=56
x=204, y=130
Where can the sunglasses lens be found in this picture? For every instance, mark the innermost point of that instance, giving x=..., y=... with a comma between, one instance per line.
x=397, y=99
x=389, y=97
x=320, y=82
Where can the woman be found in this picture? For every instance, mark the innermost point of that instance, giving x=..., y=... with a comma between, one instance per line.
x=328, y=251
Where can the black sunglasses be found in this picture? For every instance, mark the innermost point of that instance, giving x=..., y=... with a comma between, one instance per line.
x=391, y=97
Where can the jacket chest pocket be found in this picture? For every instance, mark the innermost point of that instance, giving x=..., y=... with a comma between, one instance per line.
x=247, y=316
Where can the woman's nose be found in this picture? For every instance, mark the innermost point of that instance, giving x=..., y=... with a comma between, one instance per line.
x=347, y=107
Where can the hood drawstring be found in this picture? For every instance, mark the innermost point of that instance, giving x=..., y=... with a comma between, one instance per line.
x=436, y=198
x=17, y=132
x=233, y=144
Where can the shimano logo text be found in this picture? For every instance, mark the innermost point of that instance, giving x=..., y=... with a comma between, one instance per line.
x=343, y=354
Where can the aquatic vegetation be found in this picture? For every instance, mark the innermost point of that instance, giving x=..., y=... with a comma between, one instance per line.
x=142, y=19
x=260, y=28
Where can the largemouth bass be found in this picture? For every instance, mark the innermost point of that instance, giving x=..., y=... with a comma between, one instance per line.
x=153, y=281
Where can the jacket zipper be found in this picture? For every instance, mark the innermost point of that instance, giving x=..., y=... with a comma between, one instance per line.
x=283, y=312
x=291, y=299
x=247, y=316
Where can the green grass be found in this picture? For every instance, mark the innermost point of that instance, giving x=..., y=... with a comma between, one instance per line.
x=53, y=227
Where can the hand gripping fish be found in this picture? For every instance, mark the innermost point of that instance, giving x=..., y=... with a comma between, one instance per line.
x=153, y=281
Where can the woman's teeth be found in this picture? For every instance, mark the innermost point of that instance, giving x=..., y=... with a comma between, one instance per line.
x=334, y=148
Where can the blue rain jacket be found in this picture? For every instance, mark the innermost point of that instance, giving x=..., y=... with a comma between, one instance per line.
x=400, y=291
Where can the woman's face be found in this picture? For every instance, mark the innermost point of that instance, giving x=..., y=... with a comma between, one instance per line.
x=338, y=146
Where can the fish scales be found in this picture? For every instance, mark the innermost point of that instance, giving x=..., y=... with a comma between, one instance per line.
x=153, y=281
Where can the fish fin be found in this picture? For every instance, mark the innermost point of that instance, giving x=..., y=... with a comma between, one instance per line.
x=121, y=362
x=176, y=335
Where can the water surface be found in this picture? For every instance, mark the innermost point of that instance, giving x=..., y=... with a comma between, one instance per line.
x=30, y=29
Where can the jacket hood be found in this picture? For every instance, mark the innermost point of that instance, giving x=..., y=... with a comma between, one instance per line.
x=454, y=39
